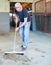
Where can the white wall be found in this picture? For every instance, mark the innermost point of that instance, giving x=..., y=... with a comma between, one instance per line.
x=4, y=6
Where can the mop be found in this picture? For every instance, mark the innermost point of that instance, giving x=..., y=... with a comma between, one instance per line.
x=14, y=47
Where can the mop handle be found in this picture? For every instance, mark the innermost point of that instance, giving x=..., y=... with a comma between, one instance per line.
x=15, y=32
x=15, y=36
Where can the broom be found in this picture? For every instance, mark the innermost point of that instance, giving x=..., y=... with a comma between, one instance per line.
x=14, y=46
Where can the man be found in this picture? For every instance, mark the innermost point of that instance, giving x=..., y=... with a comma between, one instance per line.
x=24, y=25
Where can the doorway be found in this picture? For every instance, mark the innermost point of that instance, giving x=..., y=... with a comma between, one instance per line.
x=28, y=6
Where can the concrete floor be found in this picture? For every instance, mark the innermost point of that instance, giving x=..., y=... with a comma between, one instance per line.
x=37, y=53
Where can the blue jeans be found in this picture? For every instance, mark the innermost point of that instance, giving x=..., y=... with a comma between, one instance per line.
x=24, y=33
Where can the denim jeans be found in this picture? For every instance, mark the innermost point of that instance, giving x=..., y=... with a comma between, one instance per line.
x=24, y=33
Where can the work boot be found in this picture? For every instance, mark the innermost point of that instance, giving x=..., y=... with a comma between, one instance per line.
x=23, y=47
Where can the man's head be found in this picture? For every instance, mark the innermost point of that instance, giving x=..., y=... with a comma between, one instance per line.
x=18, y=7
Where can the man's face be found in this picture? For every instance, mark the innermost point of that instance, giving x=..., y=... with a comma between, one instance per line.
x=18, y=7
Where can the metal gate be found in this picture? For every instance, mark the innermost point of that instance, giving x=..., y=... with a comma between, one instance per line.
x=43, y=16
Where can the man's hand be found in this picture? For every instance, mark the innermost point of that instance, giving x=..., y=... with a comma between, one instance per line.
x=17, y=29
